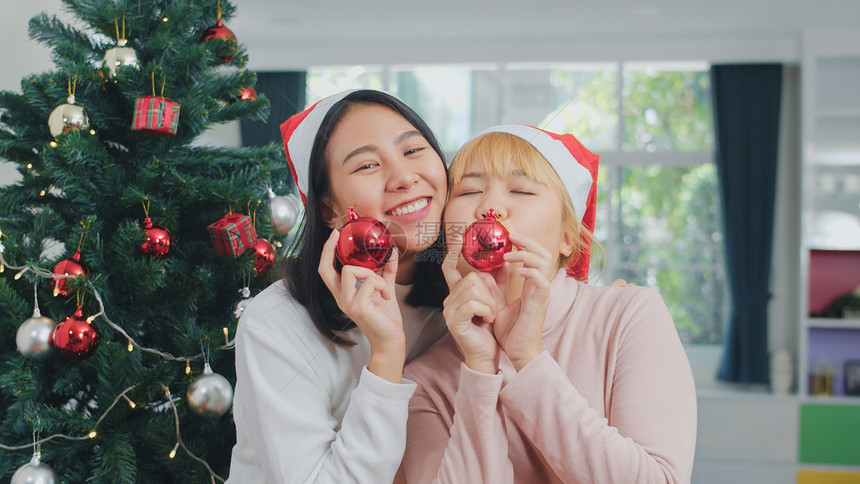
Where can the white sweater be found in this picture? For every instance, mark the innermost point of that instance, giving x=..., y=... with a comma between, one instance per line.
x=308, y=410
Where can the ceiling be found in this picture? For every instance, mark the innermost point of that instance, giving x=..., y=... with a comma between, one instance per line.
x=374, y=21
x=290, y=34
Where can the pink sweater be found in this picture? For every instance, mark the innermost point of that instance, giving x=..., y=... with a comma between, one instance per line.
x=610, y=400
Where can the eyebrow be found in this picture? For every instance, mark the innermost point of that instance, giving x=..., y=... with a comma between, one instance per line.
x=371, y=148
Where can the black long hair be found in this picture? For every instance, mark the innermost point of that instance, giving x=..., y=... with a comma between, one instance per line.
x=300, y=273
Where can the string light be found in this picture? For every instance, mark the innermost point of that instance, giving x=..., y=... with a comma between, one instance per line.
x=90, y=435
x=173, y=452
x=226, y=336
x=42, y=193
x=91, y=319
x=212, y=475
x=165, y=19
x=53, y=144
x=40, y=272
x=18, y=275
x=29, y=166
x=130, y=346
x=92, y=131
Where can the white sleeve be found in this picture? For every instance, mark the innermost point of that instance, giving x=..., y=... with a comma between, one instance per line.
x=287, y=411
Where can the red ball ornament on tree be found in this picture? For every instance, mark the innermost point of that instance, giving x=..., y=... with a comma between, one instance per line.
x=246, y=94
x=75, y=338
x=223, y=38
x=364, y=242
x=485, y=243
x=158, y=240
x=264, y=256
x=71, y=267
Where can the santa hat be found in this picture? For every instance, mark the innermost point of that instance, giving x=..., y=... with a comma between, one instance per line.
x=299, y=133
x=577, y=168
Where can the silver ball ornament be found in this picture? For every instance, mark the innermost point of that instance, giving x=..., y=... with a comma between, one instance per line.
x=34, y=337
x=119, y=57
x=285, y=212
x=210, y=394
x=35, y=473
x=67, y=117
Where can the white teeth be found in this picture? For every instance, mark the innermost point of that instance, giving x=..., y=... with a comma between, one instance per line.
x=412, y=207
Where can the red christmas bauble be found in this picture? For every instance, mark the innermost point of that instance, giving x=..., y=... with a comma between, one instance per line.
x=364, y=242
x=75, y=338
x=227, y=44
x=73, y=266
x=264, y=256
x=158, y=241
x=485, y=243
x=247, y=94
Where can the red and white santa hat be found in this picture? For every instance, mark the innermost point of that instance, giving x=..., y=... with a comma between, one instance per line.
x=577, y=168
x=299, y=133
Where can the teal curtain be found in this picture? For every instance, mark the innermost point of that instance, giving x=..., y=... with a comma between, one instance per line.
x=286, y=93
x=746, y=105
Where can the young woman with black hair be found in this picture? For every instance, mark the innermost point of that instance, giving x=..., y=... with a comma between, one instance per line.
x=319, y=355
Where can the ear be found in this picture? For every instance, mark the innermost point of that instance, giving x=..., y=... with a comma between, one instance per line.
x=568, y=242
x=327, y=212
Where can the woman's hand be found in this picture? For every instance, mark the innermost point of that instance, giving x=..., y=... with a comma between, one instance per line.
x=368, y=299
x=469, y=311
x=519, y=326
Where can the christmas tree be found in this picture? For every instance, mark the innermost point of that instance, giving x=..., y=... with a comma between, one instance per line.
x=128, y=251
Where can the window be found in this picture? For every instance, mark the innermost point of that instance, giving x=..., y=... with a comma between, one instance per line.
x=658, y=207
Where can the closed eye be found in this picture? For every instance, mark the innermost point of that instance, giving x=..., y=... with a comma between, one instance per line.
x=521, y=192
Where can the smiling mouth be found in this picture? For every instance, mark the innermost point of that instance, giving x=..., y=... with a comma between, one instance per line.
x=410, y=207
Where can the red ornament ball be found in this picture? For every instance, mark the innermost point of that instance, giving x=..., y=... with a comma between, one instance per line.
x=75, y=338
x=73, y=266
x=485, y=243
x=158, y=240
x=246, y=94
x=227, y=46
x=364, y=242
x=264, y=256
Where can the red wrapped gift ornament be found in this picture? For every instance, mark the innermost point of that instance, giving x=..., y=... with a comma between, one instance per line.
x=233, y=235
x=156, y=115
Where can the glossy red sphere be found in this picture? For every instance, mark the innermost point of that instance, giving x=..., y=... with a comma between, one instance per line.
x=227, y=45
x=364, y=242
x=264, y=256
x=158, y=240
x=75, y=338
x=485, y=243
x=73, y=266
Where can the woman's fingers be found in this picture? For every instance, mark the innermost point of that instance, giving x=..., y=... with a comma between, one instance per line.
x=326, y=269
x=449, y=269
x=389, y=275
x=470, y=288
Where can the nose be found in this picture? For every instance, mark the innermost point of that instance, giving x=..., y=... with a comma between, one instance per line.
x=401, y=177
x=493, y=198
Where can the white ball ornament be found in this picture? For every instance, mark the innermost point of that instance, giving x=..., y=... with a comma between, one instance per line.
x=210, y=394
x=34, y=336
x=35, y=473
x=120, y=57
x=285, y=212
x=68, y=117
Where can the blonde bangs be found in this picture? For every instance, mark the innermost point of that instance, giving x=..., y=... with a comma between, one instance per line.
x=499, y=155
